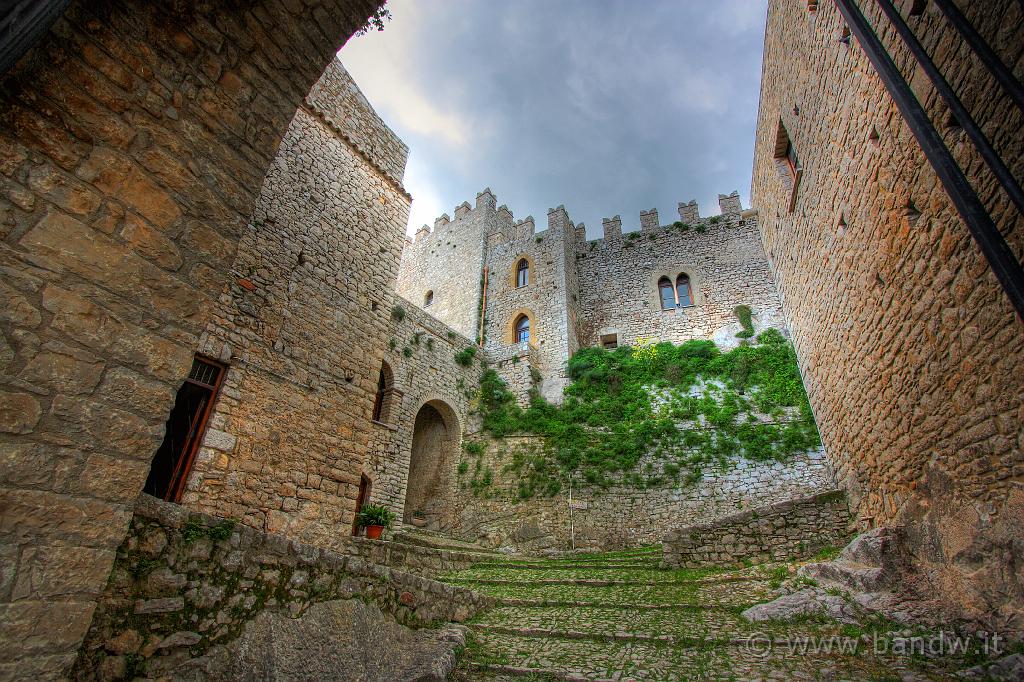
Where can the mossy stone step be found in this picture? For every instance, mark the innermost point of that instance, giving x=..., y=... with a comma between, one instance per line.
x=701, y=622
x=441, y=542
x=726, y=594
x=567, y=566
x=592, y=659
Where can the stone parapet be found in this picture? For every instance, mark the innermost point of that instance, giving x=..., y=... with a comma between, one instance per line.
x=184, y=582
x=792, y=529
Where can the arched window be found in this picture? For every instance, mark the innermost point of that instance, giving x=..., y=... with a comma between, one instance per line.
x=683, y=290
x=428, y=298
x=522, y=329
x=668, y=296
x=384, y=389
x=522, y=273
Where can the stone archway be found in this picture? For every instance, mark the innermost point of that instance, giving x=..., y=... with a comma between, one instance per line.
x=435, y=443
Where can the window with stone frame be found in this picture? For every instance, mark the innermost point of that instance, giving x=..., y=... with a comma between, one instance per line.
x=385, y=389
x=666, y=293
x=522, y=329
x=684, y=292
x=522, y=273
x=787, y=163
x=184, y=430
x=609, y=341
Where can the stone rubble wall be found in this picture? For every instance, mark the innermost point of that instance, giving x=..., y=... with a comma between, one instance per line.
x=622, y=515
x=303, y=328
x=910, y=351
x=337, y=98
x=134, y=139
x=726, y=265
x=448, y=261
x=184, y=582
x=794, y=529
x=428, y=375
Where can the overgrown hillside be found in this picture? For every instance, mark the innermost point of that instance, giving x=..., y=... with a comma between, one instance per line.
x=653, y=414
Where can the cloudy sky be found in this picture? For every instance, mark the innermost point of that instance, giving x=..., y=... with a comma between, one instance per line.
x=606, y=106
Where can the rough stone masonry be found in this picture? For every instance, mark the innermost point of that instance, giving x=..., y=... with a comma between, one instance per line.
x=910, y=351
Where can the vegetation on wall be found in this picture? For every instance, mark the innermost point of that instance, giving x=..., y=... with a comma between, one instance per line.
x=744, y=314
x=683, y=406
x=465, y=356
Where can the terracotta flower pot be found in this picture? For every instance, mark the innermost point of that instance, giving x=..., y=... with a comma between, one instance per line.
x=373, y=532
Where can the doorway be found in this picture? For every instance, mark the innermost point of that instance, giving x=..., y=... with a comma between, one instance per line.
x=435, y=443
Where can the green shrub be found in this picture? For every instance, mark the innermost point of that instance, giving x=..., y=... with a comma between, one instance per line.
x=375, y=515
x=407, y=352
x=473, y=447
x=398, y=313
x=608, y=421
x=465, y=356
x=744, y=314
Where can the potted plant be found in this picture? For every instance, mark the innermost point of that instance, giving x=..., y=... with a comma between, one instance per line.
x=375, y=518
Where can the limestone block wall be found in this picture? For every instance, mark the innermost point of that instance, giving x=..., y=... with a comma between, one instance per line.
x=134, y=139
x=337, y=98
x=448, y=261
x=303, y=329
x=543, y=299
x=184, y=583
x=622, y=515
x=794, y=529
x=618, y=278
x=910, y=351
x=422, y=363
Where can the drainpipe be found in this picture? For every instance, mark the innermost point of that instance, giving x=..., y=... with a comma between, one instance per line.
x=483, y=309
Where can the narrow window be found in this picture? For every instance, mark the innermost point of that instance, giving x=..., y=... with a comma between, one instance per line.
x=610, y=341
x=380, y=401
x=522, y=329
x=668, y=296
x=186, y=426
x=684, y=291
x=787, y=163
x=428, y=298
x=522, y=273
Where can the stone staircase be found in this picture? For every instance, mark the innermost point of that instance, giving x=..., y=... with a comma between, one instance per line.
x=621, y=616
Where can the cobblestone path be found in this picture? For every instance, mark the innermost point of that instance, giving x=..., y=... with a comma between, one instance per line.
x=618, y=616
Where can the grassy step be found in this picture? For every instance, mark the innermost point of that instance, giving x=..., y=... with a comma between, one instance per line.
x=661, y=578
x=680, y=625
x=587, y=659
x=727, y=594
x=440, y=542
x=515, y=565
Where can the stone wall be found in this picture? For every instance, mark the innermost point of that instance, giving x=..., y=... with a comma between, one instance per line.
x=421, y=360
x=303, y=329
x=185, y=582
x=910, y=351
x=794, y=529
x=623, y=515
x=448, y=262
x=134, y=139
x=543, y=299
x=722, y=256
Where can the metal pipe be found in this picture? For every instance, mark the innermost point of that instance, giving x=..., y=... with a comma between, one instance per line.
x=1004, y=264
x=981, y=142
x=991, y=60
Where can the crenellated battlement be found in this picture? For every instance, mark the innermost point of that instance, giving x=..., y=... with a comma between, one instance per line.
x=504, y=227
x=731, y=212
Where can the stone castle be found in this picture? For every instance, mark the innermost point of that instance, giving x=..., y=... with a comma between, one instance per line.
x=210, y=299
x=545, y=294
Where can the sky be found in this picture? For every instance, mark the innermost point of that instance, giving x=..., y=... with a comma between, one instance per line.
x=608, y=107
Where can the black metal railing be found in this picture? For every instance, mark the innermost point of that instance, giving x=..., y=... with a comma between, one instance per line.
x=1001, y=259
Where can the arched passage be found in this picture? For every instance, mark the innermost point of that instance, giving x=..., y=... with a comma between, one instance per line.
x=435, y=443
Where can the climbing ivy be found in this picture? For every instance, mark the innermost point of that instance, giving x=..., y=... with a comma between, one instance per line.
x=687, y=405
